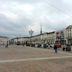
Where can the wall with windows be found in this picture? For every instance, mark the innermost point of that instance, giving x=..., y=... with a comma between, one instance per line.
x=68, y=34
x=3, y=40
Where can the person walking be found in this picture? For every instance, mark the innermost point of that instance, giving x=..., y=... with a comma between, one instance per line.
x=55, y=48
x=64, y=47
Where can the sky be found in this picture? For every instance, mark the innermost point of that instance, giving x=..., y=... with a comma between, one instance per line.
x=18, y=17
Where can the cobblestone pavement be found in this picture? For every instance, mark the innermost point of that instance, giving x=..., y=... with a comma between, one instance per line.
x=20, y=52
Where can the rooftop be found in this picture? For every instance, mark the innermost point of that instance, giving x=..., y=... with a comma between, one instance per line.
x=70, y=26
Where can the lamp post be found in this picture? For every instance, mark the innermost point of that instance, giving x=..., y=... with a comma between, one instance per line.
x=30, y=33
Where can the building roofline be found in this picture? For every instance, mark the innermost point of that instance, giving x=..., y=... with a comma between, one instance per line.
x=44, y=33
x=35, y=35
x=70, y=26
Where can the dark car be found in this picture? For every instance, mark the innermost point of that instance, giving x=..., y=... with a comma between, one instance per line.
x=68, y=47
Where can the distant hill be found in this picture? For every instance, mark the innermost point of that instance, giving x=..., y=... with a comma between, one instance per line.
x=3, y=37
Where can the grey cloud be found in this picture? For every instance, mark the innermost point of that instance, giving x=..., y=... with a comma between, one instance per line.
x=23, y=1
x=10, y=27
x=54, y=10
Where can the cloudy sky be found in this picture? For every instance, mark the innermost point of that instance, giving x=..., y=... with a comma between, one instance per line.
x=17, y=17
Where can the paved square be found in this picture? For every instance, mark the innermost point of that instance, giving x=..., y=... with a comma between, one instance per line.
x=27, y=59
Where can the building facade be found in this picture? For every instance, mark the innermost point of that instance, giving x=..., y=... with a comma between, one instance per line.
x=68, y=34
x=19, y=40
x=63, y=37
x=44, y=38
x=3, y=40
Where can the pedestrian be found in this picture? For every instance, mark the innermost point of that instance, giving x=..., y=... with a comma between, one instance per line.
x=64, y=47
x=55, y=48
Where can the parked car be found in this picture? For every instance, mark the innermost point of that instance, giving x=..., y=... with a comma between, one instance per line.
x=68, y=47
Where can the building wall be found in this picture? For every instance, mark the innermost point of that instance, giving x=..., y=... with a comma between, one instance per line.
x=50, y=37
x=45, y=38
x=42, y=38
x=19, y=39
x=68, y=34
x=65, y=36
x=3, y=40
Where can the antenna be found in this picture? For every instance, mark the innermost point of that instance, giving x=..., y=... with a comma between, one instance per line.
x=40, y=28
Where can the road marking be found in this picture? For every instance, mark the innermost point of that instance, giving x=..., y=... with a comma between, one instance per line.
x=34, y=59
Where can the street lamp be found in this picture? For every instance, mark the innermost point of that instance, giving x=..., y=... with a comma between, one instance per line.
x=30, y=33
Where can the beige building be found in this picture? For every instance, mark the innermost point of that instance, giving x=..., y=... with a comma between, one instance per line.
x=68, y=34
x=41, y=38
x=19, y=39
x=48, y=37
x=3, y=40
x=44, y=38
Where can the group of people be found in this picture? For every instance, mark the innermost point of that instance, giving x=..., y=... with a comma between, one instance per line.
x=55, y=46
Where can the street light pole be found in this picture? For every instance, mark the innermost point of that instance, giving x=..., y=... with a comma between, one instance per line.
x=30, y=33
